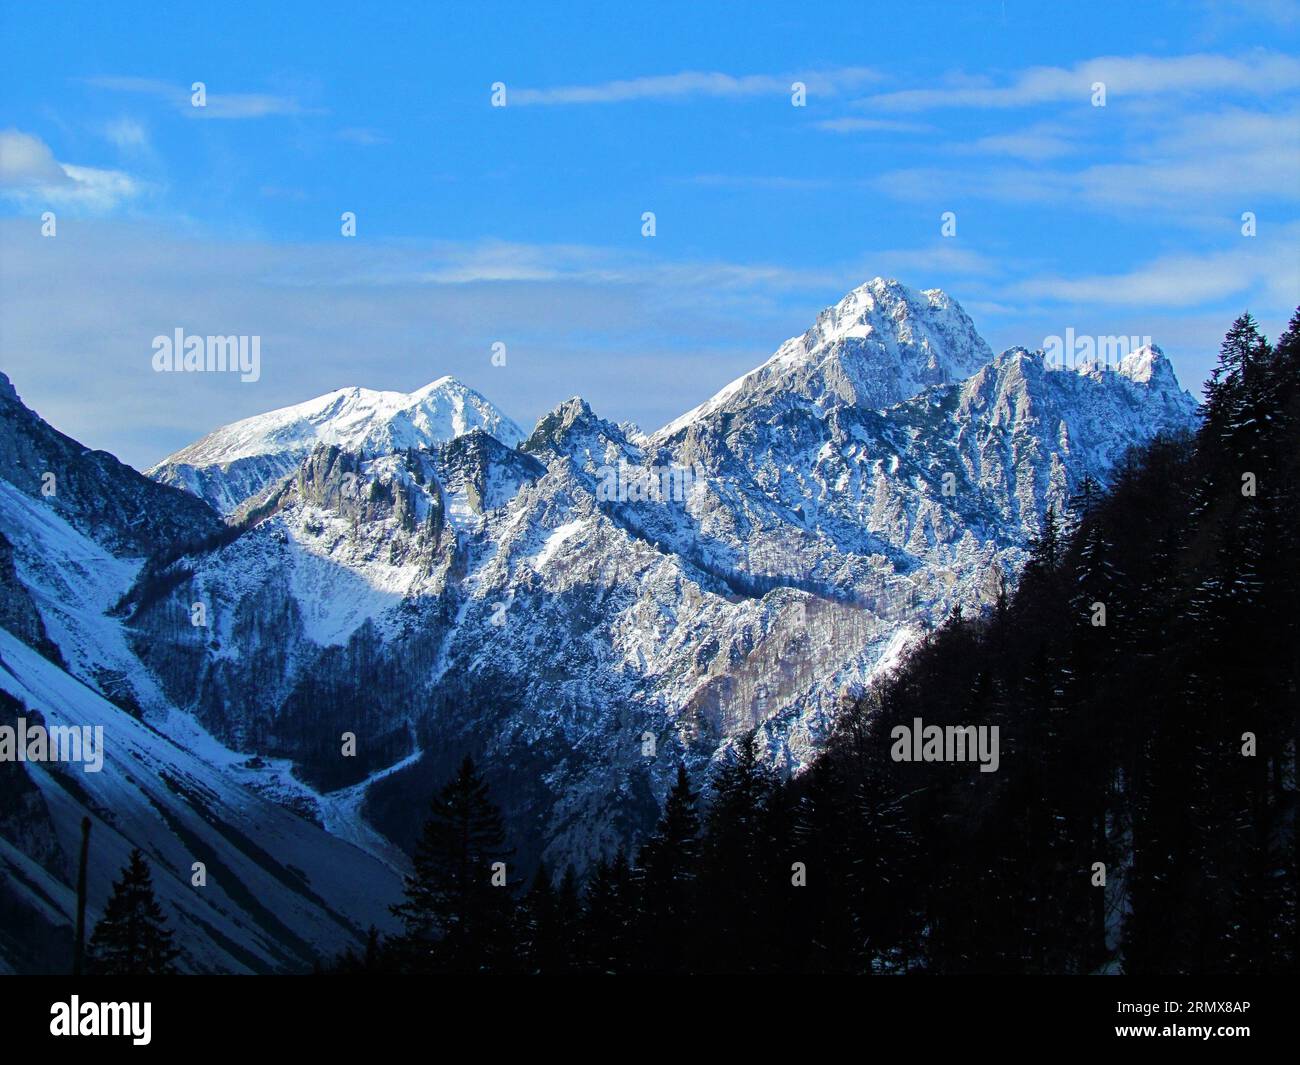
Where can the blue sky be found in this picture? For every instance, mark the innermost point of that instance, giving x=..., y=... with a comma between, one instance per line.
x=522, y=224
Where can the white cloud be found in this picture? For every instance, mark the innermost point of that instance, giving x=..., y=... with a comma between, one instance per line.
x=250, y=105
x=1222, y=14
x=27, y=162
x=98, y=190
x=30, y=173
x=127, y=134
x=1267, y=268
x=576, y=319
x=447, y=264
x=1035, y=144
x=922, y=263
x=871, y=125
x=365, y=137
x=218, y=104
x=1259, y=74
x=1182, y=167
x=691, y=84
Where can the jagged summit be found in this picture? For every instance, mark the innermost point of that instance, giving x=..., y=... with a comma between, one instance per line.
x=879, y=345
x=1147, y=365
x=1150, y=378
x=884, y=308
x=570, y=428
x=235, y=461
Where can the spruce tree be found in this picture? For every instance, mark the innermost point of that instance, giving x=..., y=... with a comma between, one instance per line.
x=456, y=919
x=669, y=871
x=549, y=937
x=738, y=879
x=611, y=917
x=540, y=940
x=132, y=938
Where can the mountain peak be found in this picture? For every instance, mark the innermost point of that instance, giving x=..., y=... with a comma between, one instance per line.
x=445, y=383
x=882, y=343
x=887, y=309
x=571, y=426
x=265, y=446
x=1146, y=364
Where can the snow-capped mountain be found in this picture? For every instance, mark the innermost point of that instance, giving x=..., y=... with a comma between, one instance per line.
x=881, y=344
x=551, y=606
x=580, y=608
x=238, y=460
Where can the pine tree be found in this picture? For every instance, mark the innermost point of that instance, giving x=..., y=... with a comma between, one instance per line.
x=669, y=870
x=456, y=919
x=821, y=916
x=1234, y=395
x=549, y=934
x=739, y=881
x=540, y=939
x=610, y=917
x=568, y=920
x=132, y=939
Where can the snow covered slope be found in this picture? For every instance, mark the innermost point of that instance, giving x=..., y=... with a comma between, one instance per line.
x=236, y=461
x=280, y=891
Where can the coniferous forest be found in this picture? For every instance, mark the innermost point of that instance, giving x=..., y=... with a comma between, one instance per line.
x=1143, y=679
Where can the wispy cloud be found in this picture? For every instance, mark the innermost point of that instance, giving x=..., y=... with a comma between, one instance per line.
x=1260, y=74
x=218, y=104
x=1229, y=159
x=692, y=84
x=30, y=174
x=759, y=181
x=575, y=317
x=501, y=262
x=1034, y=143
x=27, y=162
x=1224, y=13
x=395, y=316
x=127, y=134
x=367, y=138
x=872, y=125
x=1262, y=265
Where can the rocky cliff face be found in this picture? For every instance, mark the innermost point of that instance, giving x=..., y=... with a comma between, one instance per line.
x=18, y=611
x=585, y=609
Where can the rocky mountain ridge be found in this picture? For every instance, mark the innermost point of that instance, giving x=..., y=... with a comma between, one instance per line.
x=551, y=606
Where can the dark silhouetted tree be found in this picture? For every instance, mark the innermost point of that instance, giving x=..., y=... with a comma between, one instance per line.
x=132, y=938
x=456, y=918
